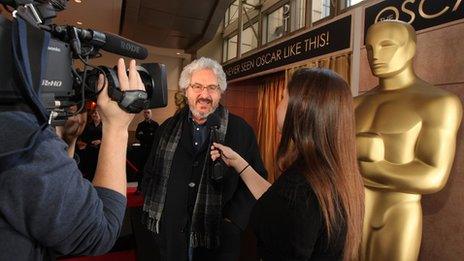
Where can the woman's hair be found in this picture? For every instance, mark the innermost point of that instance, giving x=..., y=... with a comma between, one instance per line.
x=318, y=138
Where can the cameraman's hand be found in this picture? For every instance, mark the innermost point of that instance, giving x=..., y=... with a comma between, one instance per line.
x=81, y=145
x=113, y=116
x=95, y=142
x=74, y=125
x=72, y=129
x=111, y=166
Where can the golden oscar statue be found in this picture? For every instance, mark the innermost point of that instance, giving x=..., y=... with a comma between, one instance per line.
x=406, y=137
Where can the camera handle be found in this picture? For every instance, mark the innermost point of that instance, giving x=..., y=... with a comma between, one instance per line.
x=133, y=101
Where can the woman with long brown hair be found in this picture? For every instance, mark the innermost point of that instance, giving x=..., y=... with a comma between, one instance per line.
x=314, y=211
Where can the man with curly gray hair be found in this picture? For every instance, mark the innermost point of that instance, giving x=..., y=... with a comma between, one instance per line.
x=198, y=208
x=203, y=103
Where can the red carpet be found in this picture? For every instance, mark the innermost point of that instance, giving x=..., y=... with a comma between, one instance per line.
x=114, y=256
x=134, y=199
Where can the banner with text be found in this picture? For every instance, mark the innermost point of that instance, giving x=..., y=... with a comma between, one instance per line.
x=323, y=40
x=420, y=14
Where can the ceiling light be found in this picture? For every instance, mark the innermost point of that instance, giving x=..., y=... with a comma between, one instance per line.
x=178, y=53
x=78, y=1
x=79, y=22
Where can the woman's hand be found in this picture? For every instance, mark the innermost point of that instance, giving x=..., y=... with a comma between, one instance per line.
x=254, y=182
x=228, y=155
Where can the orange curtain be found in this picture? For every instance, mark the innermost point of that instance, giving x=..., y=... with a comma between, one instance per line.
x=269, y=95
x=339, y=64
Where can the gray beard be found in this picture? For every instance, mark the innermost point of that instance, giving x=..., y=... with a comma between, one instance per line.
x=201, y=115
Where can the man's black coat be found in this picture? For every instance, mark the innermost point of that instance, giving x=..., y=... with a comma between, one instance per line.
x=183, y=182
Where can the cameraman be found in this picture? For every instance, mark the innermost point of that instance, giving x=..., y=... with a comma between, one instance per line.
x=46, y=207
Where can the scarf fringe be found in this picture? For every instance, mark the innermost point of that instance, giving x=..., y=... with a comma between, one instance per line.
x=149, y=222
x=207, y=240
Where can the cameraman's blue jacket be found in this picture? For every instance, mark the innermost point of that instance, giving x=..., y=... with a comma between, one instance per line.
x=46, y=207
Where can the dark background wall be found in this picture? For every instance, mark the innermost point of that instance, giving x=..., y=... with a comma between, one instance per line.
x=241, y=98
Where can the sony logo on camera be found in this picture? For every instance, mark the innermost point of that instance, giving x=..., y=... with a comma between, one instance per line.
x=54, y=49
x=51, y=83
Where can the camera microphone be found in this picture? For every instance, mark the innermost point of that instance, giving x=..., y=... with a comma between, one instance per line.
x=14, y=3
x=120, y=45
x=109, y=42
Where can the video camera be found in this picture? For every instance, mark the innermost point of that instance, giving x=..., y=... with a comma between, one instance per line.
x=62, y=85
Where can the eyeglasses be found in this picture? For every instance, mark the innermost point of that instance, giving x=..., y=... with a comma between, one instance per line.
x=199, y=88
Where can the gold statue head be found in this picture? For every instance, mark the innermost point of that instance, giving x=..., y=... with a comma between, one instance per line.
x=390, y=46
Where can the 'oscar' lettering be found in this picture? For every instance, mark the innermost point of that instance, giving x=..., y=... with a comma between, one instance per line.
x=412, y=11
x=430, y=16
x=407, y=11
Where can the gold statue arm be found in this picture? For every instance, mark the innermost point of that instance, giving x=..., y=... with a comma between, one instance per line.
x=413, y=177
x=434, y=155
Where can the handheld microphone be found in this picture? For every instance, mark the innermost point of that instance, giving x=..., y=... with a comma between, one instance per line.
x=213, y=122
x=217, y=165
x=109, y=42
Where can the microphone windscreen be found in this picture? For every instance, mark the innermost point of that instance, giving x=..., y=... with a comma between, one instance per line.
x=120, y=45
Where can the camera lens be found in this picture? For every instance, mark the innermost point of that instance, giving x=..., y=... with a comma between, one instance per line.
x=147, y=80
x=153, y=77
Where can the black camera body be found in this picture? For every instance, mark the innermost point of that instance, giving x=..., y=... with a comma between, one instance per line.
x=62, y=85
x=58, y=83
